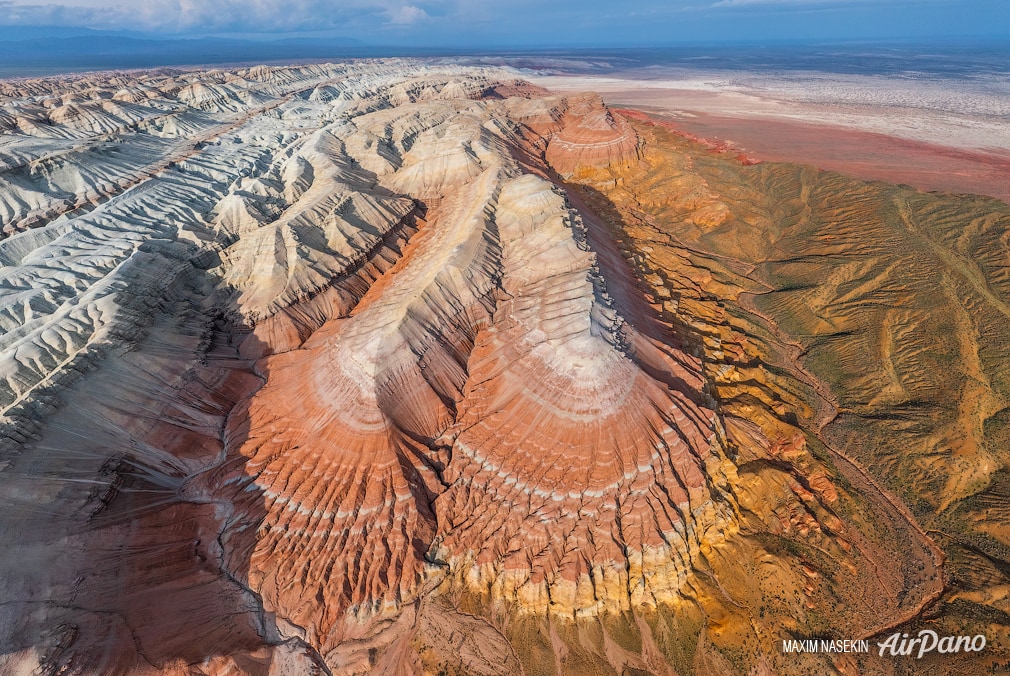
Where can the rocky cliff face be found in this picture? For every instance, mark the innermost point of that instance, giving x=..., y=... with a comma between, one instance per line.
x=326, y=370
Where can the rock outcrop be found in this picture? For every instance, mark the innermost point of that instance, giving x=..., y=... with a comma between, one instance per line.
x=317, y=369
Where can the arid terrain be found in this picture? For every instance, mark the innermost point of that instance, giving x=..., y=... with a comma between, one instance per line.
x=403, y=368
x=933, y=133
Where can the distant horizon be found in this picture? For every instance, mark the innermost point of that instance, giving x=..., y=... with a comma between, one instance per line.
x=962, y=62
x=44, y=50
x=40, y=37
x=17, y=33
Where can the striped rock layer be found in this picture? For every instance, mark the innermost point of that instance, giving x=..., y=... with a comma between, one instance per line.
x=287, y=353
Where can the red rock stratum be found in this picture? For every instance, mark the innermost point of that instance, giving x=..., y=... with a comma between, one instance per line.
x=366, y=369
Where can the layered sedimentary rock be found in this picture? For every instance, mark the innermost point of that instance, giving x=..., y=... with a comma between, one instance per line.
x=880, y=306
x=580, y=132
x=326, y=370
x=565, y=447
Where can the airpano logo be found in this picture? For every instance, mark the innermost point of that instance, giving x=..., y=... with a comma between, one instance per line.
x=927, y=641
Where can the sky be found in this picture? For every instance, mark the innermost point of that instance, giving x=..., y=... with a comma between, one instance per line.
x=526, y=23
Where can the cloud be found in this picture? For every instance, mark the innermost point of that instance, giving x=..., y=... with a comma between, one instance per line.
x=779, y=3
x=209, y=16
x=407, y=14
x=785, y=4
x=740, y=3
x=511, y=22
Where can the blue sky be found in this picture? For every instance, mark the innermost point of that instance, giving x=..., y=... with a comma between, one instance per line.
x=502, y=23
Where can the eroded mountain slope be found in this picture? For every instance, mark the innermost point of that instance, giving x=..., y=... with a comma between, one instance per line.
x=324, y=370
x=882, y=308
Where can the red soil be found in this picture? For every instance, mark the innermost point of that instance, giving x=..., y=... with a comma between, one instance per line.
x=866, y=155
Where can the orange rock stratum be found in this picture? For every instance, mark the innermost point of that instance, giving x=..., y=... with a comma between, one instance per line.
x=396, y=368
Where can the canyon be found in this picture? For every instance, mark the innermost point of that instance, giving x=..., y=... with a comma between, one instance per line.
x=401, y=367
